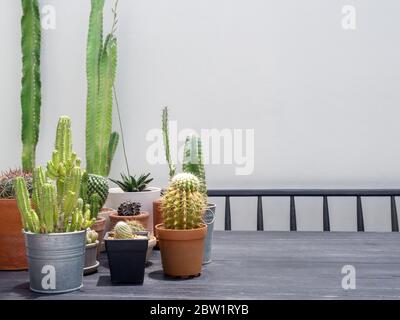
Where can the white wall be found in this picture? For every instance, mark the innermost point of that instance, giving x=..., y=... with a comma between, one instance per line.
x=323, y=101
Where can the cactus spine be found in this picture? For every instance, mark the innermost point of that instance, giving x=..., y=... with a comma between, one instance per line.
x=183, y=203
x=55, y=197
x=193, y=161
x=31, y=85
x=101, y=63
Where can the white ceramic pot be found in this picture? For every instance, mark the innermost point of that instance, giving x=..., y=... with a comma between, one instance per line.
x=116, y=196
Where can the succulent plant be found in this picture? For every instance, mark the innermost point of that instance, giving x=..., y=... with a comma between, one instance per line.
x=129, y=208
x=122, y=231
x=183, y=203
x=31, y=84
x=135, y=226
x=55, y=196
x=101, y=64
x=193, y=161
x=131, y=184
x=91, y=236
x=7, y=181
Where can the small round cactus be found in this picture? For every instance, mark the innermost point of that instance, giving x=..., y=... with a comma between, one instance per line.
x=183, y=203
x=91, y=236
x=123, y=231
x=136, y=226
x=7, y=181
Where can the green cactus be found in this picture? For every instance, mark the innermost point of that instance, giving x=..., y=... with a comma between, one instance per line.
x=135, y=226
x=122, y=231
x=31, y=84
x=55, y=197
x=94, y=191
x=183, y=203
x=7, y=180
x=193, y=161
x=101, y=63
x=165, y=130
x=91, y=236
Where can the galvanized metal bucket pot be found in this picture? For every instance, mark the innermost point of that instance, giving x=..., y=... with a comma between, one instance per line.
x=56, y=261
x=209, y=218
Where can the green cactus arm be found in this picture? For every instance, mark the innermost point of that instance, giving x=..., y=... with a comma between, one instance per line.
x=64, y=139
x=84, y=187
x=31, y=85
x=112, y=147
x=48, y=207
x=95, y=206
x=193, y=161
x=23, y=201
x=165, y=130
x=39, y=179
x=107, y=70
x=93, y=52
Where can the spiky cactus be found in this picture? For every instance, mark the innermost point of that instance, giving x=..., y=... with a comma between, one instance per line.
x=193, y=161
x=183, y=203
x=55, y=197
x=101, y=63
x=94, y=191
x=165, y=131
x=135, y=226
x=91, y=236
x=122, y=231
x=7, y=181
x=31, y=85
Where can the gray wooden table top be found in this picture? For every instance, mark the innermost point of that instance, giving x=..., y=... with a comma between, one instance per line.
x=257, y=265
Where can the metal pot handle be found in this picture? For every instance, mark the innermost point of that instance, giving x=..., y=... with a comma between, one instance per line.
x=213, y=216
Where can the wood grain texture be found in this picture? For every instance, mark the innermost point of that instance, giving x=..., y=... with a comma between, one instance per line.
x=257, y=265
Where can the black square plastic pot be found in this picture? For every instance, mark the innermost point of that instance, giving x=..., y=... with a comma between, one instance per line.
x=126, y=259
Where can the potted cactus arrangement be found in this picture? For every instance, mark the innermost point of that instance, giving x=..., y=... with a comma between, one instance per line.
x=55, y=221
x=92, y=243
x=182, y=235
x=192, y=163
x=126, y=251
x=130, y=211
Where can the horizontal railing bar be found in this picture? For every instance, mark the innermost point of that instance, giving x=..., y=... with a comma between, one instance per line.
x=303, y=192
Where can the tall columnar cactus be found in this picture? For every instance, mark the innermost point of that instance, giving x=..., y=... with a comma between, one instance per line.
x=55, y=197
x=165, y=130
x=183, y=203
x=101, y=63
x=31, y=85
x=193, y=161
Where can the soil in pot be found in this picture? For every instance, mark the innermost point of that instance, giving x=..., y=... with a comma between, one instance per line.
x=182, y=250
x=126, y=259
x=99, y=226
x=12, y=242
x=91, y=263
x=142, y=218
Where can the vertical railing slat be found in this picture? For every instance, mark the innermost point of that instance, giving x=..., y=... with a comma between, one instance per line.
x=260, y=214
x=326, y=221
x=293, y=223
x=394, y=218
x=360, y=216
x=227, y=213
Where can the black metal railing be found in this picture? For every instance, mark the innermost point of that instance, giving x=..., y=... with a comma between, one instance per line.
x=358, y=194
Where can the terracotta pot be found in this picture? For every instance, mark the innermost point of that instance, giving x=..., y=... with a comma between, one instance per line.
x=182, y=250
x=99, y=226
x=157, y=213
x=142, y=218
x=12, y=241
x=105, y=213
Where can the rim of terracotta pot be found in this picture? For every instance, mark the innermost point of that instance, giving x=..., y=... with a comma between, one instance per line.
x=8, y=200
x=181, y=234
x=107, y=210
x=148, y=190
x=142, y=214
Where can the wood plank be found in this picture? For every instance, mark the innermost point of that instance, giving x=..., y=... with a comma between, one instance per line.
x=257, y=265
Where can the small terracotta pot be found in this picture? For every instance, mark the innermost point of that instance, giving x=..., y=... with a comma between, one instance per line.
x=181, y=250
x=12, y=241
x=157, y=217
x=142, y=218
x=99, y=226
